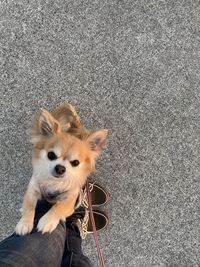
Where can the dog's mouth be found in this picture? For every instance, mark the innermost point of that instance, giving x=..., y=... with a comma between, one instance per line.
x=50, y=195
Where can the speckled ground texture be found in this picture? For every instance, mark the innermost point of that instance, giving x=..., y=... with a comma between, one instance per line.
x=129, y=66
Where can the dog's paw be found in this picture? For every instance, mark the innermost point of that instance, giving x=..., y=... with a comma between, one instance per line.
x=24, y=226
x=47, y=223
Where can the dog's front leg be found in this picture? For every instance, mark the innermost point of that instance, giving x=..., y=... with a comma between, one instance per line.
x=25, y=225
x=60, y=211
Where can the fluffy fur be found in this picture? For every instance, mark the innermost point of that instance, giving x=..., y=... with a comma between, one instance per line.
x=59, y=132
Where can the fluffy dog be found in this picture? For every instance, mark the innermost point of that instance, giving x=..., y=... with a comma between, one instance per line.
x=64, y=154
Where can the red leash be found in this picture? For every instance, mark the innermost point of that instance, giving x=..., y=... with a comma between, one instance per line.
x=94, y=226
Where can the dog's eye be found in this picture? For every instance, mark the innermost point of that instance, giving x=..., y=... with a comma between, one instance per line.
x=51, y=155
x=74, y=163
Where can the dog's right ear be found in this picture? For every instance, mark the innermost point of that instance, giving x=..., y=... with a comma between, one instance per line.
x=44, y=125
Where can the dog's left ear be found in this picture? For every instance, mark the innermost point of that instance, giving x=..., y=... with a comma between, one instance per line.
x=97, y=140
x=67, y=116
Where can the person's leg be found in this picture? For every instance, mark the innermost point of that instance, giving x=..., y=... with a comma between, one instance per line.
x=34, y=249
x=73, y=255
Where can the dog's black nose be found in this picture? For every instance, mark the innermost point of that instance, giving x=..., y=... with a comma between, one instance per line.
x=59, y=169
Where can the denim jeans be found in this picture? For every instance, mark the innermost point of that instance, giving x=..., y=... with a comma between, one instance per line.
x=61, y=248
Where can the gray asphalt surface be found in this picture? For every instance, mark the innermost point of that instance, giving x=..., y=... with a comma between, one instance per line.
x=129, y=66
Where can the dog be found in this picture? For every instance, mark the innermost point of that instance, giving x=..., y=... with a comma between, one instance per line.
x=64, y=154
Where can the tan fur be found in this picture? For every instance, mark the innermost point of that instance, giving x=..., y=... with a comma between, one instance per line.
x=66, y=115
x=62, y=133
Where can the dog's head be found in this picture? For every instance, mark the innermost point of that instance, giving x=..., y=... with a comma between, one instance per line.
x=60, y=155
